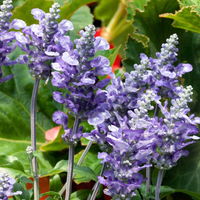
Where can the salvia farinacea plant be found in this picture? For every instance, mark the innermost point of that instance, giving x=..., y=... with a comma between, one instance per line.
x=140, y=121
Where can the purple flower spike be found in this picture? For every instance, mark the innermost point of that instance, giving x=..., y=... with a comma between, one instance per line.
x=149, y=122
x=41, y=41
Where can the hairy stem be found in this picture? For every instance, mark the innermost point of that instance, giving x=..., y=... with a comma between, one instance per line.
x=80, y=161
x=158, y=184
x=71, y=162
x=148, y=175
x=95, y=189
x=33, y=138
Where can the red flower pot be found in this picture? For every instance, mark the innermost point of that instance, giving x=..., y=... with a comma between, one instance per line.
x=43, y=184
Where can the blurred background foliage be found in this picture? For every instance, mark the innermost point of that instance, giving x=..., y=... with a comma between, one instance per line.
x=131, y=27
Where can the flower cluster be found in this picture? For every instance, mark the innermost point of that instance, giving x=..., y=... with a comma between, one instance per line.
x=174, y=130
x=6, y=36
x=39, y=41
x=149, y=121
x=77, y=70
x=6, y=186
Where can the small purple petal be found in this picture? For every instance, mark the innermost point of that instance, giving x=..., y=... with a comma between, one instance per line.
x=60, y=118
x=17, y=24
x=38, y=14
x=69, y=59
x=101, y=44
x=65, y=26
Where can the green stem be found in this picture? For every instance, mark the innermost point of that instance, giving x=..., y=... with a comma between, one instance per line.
x=95, y=189
x=148, y=173
x=33, y=139
x=80, y=161
x=71, y=162
x=119, y=14
x=158, y=184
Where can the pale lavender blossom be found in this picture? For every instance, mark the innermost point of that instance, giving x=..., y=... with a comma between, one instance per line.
x=39, y=41
x=6, y=186
x=7, y=36
x=77, y=70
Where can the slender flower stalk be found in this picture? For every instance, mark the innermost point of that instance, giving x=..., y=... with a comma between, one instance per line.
x=95, y=189
x=71, y=161
x=80, y=161
x=33, y=138
x=158, y=184
x=148, y=179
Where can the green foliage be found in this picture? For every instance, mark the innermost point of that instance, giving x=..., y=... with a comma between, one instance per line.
x=132, y=6
x=81, y=173
x=194, y=3
x=24, y=11
x=147, y=22
x=90, y=161
x=103, y=13
x=132, y=52
x=15, y=98
x=79, y=195
x=186, y=18
x=69, y=7
x=77, y=18
x=186, y=174
x=57, y=144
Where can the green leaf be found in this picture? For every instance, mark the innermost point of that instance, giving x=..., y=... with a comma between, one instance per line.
x=103, y=12
x=132, y=6
x=79, y=15
x=132, y=53
x=25, y=194
x=148, y=23
x=55, y=183
x=19, y=163
x=56, y=195
x=24, y=11
x=81, y=173
x=186, y=175
x=11, y=162
x=71, y=6
x=186, y=18
x=57, y=144
x=90, y=161
x=79, y=195
x=15, y=96
x=194, y=3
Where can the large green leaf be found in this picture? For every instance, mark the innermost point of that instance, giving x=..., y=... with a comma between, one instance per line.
x=79, y=195
x=186, y=18
x=24, y=11
x=79, y=15
x=194, y=3
x=148, y=22
x=81, y=173
x=15, y=98
x=134, y=5
x=90, y=161
x=104, y=12
x=186, y=175
x=132, y=52
x=19, y=163
x=71, y=6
